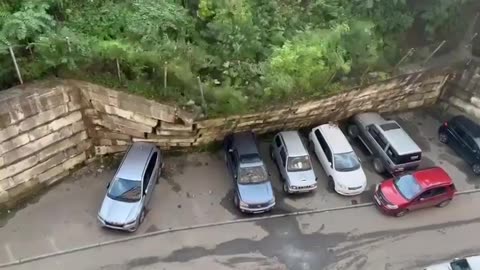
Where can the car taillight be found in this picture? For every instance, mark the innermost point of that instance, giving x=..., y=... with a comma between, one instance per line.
x=445, y=124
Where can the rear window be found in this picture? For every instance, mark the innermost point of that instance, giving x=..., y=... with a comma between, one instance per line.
x=403, y=159
x=249, y=158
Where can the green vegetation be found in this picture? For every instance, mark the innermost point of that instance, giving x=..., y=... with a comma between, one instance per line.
x=248, y=53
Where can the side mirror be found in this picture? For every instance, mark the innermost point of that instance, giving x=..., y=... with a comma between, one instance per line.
x=331, y=165
x=422, y=199
x=145, y=192
x=230, y=150
x=108, y=185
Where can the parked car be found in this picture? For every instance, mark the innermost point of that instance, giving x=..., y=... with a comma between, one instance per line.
x=467, y=263
x=341, y=164
x=392, y=148
x=293, y=162
x=130, y=192
x=253, y=190
x=415, y=190
x=463, y=135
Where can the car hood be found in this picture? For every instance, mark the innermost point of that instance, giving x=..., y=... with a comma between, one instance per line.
x=119, y=212
x=256, y=193
x=303, y=178
x=391, y=194
x=355, y=178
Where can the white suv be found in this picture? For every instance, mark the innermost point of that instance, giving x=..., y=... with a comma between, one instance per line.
x=341, y=164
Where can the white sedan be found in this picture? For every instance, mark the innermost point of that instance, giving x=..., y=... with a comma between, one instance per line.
x=467, y=263
x=341, y=164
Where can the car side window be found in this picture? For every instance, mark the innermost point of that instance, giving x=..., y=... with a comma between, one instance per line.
x=460, y=132
x=283, y=156
x=439, y=191
x=278, y=141
x=149, y=170
x=470, y=143
x=235, y=158
x=377, y=136
x=324, y=145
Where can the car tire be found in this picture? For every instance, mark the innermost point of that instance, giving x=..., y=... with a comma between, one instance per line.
x=236, y=201
x=444, y=203
x=285, y=188
x=401, y=213
x=378, y=166
x=331, y=184
x=352, y=131
x=443, y=137
x=476, y=168
x=141, y=219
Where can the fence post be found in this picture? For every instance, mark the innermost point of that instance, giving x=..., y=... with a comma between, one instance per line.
x=68, y=44
x=165, y=77
x=119, y=72
x=12, y=54
x=408, y=54
x=200, y=86
x=434, y=52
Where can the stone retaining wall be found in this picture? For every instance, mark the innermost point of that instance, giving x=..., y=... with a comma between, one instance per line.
x=42, y=137
x=462, y=92
x=47, y=129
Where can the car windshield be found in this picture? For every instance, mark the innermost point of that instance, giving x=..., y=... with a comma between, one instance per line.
x=346, y=162
x=301, y=163
x=461, y=264
x=125, y=190
x=252, y=174
x=408, y=186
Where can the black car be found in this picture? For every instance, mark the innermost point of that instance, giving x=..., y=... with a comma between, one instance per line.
x=253, y=190
x=463, y=135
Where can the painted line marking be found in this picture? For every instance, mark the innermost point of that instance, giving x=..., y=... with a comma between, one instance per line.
x=53, y=244
x=9, y=252
x=199, y=226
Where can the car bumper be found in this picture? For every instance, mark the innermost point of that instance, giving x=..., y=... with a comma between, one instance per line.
x=302, y=189
x=259, y=210
x=348, y=192
x=382, y=208
x=125, y=227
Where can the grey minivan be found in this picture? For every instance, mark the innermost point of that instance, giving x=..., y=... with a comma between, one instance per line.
x=393, y=149
x=129, y=193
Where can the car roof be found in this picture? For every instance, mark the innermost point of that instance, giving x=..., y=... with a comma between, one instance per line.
x=474, y=262
x=432, y=177
x=135, y=161
x=293, y=143
x=470, y=126
x=398, y=138
x=245, y=143
x=335, y=138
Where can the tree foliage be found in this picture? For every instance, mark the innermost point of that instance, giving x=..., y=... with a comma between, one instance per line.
x=246, y=52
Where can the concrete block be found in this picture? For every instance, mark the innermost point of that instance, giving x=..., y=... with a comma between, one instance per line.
x=175, y=127
x=6, y=184
x=112, y=135
x=18, y=167
x=14, y=143
x=103, y=150
x=415, y=104
x=120, y=123
x=62, y=145
x=130, y=116
x=3, y=196
x=5, y=120
x=8, y=133
x=105, y=142
x=40, y=168
x=57, y=178
x=111, y=126
x=42, y=118
x=61, y=168
x=55, y=125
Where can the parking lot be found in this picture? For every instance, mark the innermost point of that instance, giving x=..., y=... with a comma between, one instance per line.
x=194, y=189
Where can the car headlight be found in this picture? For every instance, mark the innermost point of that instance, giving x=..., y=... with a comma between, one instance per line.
x=272, y=201
x=130, y=222
x=341, y=186
x=242, y=204
x=391, y=206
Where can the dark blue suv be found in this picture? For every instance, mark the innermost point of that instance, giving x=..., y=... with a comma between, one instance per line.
x=253, y=190
x=463, y=135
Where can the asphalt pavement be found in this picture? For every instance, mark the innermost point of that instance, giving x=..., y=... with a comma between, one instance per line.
x=196, y=189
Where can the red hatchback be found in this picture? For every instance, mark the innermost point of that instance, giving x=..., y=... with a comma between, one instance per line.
x=411, y=191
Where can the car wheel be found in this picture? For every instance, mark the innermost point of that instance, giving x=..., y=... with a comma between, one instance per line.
x=378, y=166
x=142, y=217
x=444, y=203
x=236, y=201
x=352, y=131
x=443, y=137
x=476, y=168
x=401, y=213
x=331, y=184
x=285, y=188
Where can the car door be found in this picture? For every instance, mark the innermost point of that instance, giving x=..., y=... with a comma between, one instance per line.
x=156, y=173
x=429, y=198
x=283, y=163
x=147, y=176
x=470, y=149
x=458, y=142
x=323, y=152
x=277, y=144
x=378, y=144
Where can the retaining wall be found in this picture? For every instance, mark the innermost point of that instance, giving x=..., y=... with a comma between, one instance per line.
x=47, y=129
